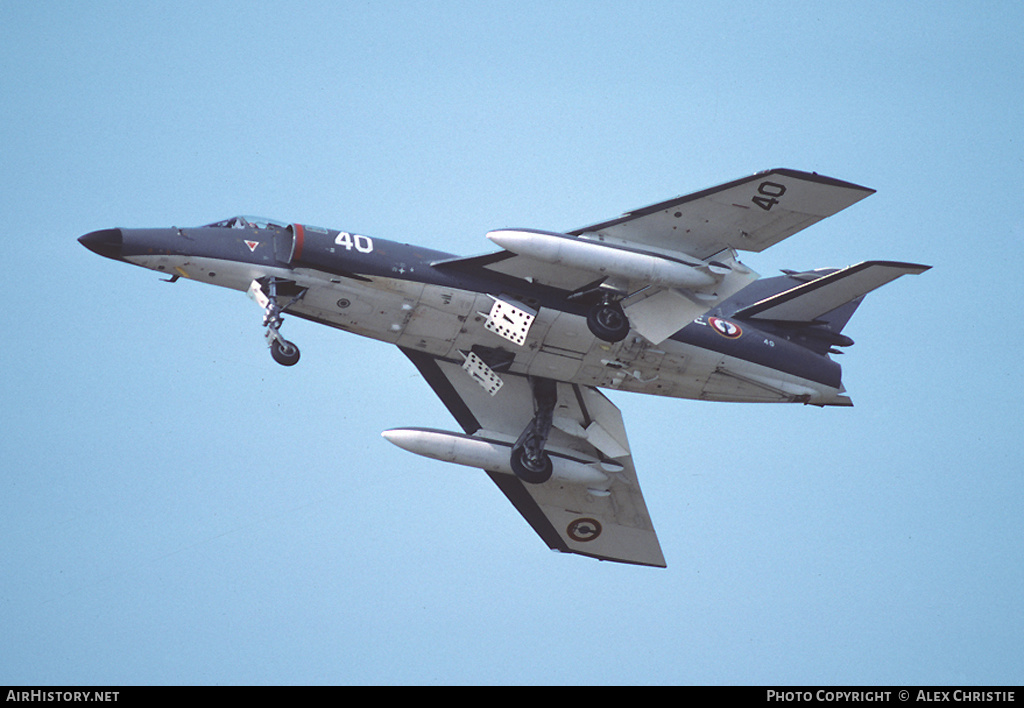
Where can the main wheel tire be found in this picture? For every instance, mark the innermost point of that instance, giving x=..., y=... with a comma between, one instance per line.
x=284, y=352
x=530, y=474
x=608, y=322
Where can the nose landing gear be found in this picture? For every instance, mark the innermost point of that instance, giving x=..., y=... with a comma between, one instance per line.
x=266, y=295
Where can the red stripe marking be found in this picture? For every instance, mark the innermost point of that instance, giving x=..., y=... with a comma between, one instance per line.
x=300, y=238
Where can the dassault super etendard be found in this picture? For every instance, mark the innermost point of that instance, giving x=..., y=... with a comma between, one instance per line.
x=516, y=343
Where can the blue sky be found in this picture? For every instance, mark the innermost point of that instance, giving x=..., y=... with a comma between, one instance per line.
x=178, y=509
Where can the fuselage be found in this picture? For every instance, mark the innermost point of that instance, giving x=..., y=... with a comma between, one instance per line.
x=433, y=302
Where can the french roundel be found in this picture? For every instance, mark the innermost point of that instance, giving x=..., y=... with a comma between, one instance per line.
x=584, y=530
x=727, y=329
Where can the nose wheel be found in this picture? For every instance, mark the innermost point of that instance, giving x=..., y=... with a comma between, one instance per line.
x=266, y=295
x=284, y=352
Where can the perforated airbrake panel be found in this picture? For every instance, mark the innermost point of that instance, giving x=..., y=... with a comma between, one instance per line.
x=482, y=374
x=510, y=321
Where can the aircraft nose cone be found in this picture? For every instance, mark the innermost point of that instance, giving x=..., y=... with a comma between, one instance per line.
x=106, y=243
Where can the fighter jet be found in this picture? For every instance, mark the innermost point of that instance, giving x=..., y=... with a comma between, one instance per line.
x=518, y=342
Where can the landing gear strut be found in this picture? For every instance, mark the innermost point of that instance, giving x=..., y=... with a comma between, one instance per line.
x=266, y=294
x=529, y=461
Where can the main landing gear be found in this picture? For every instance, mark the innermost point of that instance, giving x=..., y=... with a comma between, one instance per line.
x=266, y=292
x=529, y=461
x=607, y=321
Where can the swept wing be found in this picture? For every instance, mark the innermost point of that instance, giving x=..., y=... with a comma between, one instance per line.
x=700, y=231
x=610, y=522
x=748, y=214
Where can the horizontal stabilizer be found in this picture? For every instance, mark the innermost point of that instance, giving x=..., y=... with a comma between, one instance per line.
x=806, y=303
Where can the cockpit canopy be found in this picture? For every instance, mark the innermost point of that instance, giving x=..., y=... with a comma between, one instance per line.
x=248, y=222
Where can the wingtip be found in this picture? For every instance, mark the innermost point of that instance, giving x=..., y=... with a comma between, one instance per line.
x=815, y=177
x=907, y=268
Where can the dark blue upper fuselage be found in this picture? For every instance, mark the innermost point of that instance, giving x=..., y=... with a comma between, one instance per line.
x=360, y=258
